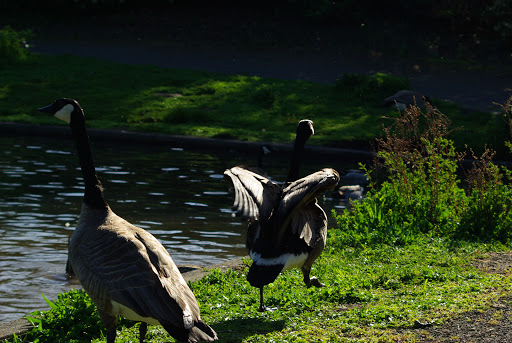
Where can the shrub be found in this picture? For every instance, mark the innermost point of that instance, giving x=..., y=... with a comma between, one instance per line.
x=73, y=314
x=415, y=190
x=419, y=194
x=71, y=318
x=501, y=13
x=13, y=45
x=488, y=214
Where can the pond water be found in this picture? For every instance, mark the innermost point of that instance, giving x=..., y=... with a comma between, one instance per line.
x=177, y=195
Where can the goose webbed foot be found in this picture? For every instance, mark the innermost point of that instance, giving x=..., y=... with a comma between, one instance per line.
x=314, y=282
x=265, y=308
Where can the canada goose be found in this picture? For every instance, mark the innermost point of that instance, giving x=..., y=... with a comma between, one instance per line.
x=287, y=228
x=258, y=169
x=403, y=99
x=355, y=177
x=354, y=192
x=125, y=270
x=69, y=268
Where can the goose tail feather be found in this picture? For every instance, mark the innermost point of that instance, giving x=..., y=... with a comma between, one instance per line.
x=262, y=275
x=202, y=332
x=198, y=333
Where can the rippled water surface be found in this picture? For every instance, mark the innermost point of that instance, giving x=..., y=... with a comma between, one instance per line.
x=177, y=195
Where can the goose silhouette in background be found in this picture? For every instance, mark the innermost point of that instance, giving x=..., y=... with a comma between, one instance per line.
x=404, y=99
x=125, y=270
x=287, y=228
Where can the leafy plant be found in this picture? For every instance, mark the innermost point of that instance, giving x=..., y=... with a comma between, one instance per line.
x=501, y=11
x=415, y=189
x=13, y=45
x=419, y=192
x=488, y=214
x=72, y=317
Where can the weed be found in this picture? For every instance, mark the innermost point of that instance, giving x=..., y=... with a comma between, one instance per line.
x=488, y=214
x=415, y=189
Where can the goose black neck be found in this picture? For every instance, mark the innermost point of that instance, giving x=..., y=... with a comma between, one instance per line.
x=297, y=157
x=93, y=195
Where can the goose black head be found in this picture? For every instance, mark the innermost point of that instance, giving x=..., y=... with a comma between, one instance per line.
x=305, y=129
x=63, y=109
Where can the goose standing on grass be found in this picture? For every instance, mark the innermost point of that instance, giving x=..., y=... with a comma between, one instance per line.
x=123, y=268
x=287, y=228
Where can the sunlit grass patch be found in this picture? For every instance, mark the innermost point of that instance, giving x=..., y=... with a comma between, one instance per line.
x=172, y=101
x=370, y=295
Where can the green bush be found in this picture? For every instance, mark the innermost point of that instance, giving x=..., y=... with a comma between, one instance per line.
x=488, y=215
x=501, y=13
x=73, y=314
x=71, y=318
x=421, y=196
x=420, y=193
x=13, y=45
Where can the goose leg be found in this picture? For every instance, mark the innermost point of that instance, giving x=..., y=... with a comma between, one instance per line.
x=313, y=281
x=110, y=323
x=263, y=307
x=143, y=328
x=111, y=335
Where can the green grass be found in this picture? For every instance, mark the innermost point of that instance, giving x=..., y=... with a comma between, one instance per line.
x=403, y=255
x=371, y=295
x=195, y=103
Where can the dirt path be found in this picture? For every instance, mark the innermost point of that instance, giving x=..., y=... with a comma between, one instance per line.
x=493, y=325
x=245, y=42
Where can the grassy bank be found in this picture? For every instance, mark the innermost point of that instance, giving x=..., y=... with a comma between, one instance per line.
x=377, y=294
x=147, y=98
x=404, y=260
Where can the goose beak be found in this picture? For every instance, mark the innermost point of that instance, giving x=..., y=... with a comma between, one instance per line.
x=47, y=109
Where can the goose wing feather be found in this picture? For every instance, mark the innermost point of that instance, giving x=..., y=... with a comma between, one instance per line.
x=255, y=195
x=130, y=266
x=298, y=209
x=307, y=223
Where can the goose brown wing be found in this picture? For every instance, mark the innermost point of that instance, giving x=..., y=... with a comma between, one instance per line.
x=298, y=210
x=130, y=267
x=255, y=195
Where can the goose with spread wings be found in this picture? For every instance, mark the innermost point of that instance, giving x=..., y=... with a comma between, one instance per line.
x=287, y=228
x=125, y=270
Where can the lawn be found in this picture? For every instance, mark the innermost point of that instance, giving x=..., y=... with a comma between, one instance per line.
x=377, y=294
x=348, y=112
x=402, y=260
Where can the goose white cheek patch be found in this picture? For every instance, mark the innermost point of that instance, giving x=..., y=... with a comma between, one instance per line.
x=65, y=113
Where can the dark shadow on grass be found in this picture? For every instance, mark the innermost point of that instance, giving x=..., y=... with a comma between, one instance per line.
x=236, y=330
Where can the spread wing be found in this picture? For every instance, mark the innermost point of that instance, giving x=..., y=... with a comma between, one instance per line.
x=298, y=209
x=255, y=195
x=132, y=268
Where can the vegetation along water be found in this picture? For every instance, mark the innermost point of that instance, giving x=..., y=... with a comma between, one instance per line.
x=402, y=261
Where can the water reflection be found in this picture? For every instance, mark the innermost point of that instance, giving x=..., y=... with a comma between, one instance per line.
x=177, y=195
